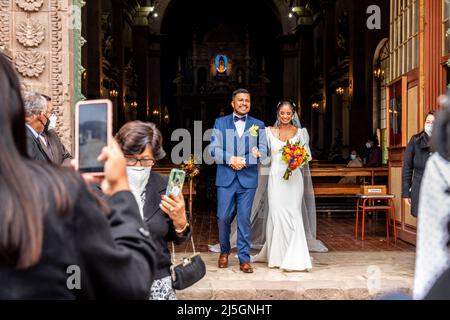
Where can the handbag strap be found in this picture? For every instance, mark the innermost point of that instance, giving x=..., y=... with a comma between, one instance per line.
x=173, y=249
x=192, y=241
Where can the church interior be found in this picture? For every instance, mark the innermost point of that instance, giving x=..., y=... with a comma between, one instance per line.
x=174, y=62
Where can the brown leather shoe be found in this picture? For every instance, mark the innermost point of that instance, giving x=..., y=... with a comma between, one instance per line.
x=223, y=260
x=246, y=267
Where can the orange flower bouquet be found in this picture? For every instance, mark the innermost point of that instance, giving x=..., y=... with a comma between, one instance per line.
x=295, y=156
x=191, y=167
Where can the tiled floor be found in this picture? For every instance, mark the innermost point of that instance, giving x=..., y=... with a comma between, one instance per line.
x=337, y=231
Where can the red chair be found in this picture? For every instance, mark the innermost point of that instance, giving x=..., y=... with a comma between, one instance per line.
x=365, y=203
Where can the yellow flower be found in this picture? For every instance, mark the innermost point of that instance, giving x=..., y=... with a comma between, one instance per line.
x=254, y=130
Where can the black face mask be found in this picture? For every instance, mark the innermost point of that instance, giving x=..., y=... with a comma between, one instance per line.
x=46, y=124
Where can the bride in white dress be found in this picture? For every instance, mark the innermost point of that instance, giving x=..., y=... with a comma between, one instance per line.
x=286, y=246
x=283, y=216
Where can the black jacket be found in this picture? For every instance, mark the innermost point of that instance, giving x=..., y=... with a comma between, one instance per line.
x=160, y=225
x=114, y=253
x=416, y=155
x=55, y=149
x=34, y=148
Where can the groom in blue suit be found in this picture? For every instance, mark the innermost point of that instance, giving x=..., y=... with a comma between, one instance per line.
x=237, y=142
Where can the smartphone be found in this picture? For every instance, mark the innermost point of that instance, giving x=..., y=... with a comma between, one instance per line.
x=176, y=181
x=93, y=131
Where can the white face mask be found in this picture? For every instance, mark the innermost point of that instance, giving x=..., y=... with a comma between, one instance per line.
x=428, y=128
x=53, y=119
x=368, y=145
x=138, y=178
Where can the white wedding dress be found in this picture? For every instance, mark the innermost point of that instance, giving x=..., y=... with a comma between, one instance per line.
x=286, y=245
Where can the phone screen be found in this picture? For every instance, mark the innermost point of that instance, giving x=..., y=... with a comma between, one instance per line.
x=93, y=135
x=176, y=181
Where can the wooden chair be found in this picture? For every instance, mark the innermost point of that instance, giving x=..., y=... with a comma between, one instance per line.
x=388, y=207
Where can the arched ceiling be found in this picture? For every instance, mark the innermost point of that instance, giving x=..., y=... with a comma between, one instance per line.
x=279, y=10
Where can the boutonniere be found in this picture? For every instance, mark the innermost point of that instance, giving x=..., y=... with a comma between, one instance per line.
x=254, y=130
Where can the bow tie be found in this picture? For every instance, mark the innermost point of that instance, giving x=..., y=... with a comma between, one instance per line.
x=236, y=118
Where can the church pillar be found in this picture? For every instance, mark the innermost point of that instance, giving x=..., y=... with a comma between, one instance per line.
x=290, y=58
x=140, y=50
x=94, y=49
x=154, y=63
x=247, y=58
x=329, y=49
x=194, y=60
x=117, y=34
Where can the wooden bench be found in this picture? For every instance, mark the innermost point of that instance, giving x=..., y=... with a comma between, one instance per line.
x=339, y=171
x=327, y=189
x=336, y=189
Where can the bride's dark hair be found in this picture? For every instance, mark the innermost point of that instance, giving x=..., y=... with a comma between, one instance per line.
x=286, y=103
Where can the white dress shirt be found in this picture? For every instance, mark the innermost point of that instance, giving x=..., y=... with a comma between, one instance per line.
x=240, y=125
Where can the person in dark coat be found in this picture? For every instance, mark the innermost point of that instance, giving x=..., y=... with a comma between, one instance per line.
x=416, y=155
x=57, y=240
x=36, y=121
x=373, y=154
x=141, y=142
x=54, y=148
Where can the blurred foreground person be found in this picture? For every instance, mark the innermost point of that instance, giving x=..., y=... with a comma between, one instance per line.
x=441, y=288
x=432, y=254
x=57, y=240
x=164, y=216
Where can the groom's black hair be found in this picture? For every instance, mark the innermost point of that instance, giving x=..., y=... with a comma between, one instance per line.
x=237, y=91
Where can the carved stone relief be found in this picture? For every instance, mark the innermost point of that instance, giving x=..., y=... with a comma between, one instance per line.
x=30, y=33
x=30, y=63
x=30, y=5
x=4, y=23
x=56, y=55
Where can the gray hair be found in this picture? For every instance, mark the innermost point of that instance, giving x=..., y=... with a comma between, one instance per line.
x=34, y=103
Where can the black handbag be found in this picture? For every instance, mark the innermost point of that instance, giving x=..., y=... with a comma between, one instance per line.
x=188, y=271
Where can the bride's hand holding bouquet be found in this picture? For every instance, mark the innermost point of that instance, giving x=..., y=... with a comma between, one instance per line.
x=294, y=155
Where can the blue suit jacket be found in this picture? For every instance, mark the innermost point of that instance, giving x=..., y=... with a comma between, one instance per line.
x=226, y=143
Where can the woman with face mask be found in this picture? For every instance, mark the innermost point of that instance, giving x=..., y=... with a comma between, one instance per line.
x=58, y=240
x=416, y=155
x=165, y=217
x=355, y=162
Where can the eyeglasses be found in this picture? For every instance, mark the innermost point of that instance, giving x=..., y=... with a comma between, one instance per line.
x=146, y=162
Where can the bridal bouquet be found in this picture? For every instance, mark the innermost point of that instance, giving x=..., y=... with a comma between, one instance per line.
x=191, y=167
x=295, y=156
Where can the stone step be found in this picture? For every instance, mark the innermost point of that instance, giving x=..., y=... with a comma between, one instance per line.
x=335, y=275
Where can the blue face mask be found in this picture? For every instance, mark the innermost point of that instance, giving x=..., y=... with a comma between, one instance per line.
x=353, y=157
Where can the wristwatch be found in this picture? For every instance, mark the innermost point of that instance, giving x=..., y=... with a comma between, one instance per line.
x=184, y=228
